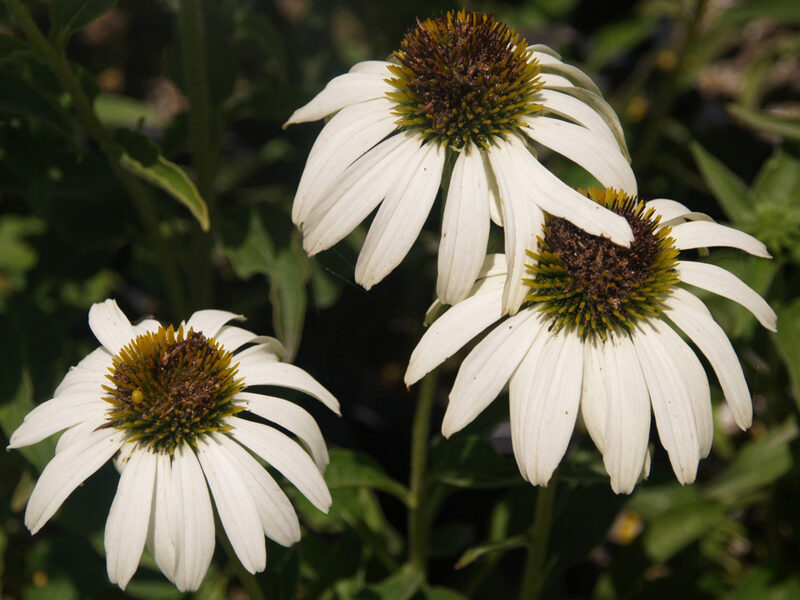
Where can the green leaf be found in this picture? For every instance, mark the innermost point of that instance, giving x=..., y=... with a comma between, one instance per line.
x=400, y=586
x=351, y=469
x=152, y=589
x=783, y=11
x=758, y=464
x=116, y=110
x=476, y=552
x=471, y=461
x=778, y=181
x=618, y=38
x=20, y=98
x=256, y=254
x=783, y=126
x=728, y=189
x=143, y=158
x=672, y=531
x=787, y=341
x=68, y=16
x=288, y=276
x=441, y=593
x=9, y=45
x=18, y=255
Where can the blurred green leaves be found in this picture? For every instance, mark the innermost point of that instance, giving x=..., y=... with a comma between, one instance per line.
x=68, y=16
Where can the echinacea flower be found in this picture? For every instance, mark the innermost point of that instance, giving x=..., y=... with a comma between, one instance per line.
x=465, y=99
x=596, y=335
x=169, y=405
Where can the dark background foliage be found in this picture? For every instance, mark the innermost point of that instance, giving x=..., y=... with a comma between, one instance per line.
x=708, y=95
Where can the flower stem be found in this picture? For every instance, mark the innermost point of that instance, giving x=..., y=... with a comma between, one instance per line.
x=94, y=128
x=418, y=517
x=533, y=574
x=190, y=20
x=246, y=578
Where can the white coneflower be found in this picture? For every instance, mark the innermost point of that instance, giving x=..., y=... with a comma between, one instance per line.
x=467, y=87
x=167, y=403
x=594, y=335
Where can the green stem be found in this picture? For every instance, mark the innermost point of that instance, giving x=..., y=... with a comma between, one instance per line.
x=418, y=517
x=533, y=574
x=246, y=578
x=95, y=129
x=655, y=125
x=190, y=20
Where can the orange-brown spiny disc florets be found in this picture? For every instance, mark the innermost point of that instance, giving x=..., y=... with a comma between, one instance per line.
x=590, y=283
x=463, y=78
x=167, y=388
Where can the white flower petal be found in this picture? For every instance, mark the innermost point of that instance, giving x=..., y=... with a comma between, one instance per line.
x=350, y=88
x=495, y=202
x=667, y=209
x=162, y=533
x=569, y=107
x=545, y=382
x=258, y=353
x=278, y=518
x=557, y=198
x=627, y=427
x=696, y=380
x=57, y=414
x=494, y=265
x=193, y=519
x=257, y=372
x=235, y=505
x=232, y=338
x=110, y=325
x=594, y=399
x=283, y=453
x=720, y=281
x=690, y=314
x=209, y=322
x=552, y=65
x=348, y=135
x=485, y=371
x=455, y=328
x=128, y=519
x=93, y=368
x=361, y=188
x=523, y=219
x=147, y=326
x=700, y=234
x=672, y=404
x=401, y=215
x=598, y=155
x=76, y=433
x=67, y=471
x=291, y=417
x=376, y=67
x=465, y=227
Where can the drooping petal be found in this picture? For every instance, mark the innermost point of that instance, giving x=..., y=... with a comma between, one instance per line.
x=92, y=368
x=128, y=519
x=569, y=107
x=235, y=505
x=672, y=404
x=291, y=417
x=68, y=470
x=348, y=135
x=486, y=370
x=598, y=155
x=690, y=314
x=278, y=518
x=522, y=218
x=401, y=216
x=283, y=453
x=627, y=427
x=545, y=381
x=696, y=380
x=361, y=188
x=209, y=322
x=162, y=534
x=720, y=281
x=557, y=198
x=495, y=202
x=701, y=234
x=110, y=325
x=57, y=414
x=259, y=353
x=465, y=228
x=257, y=372
x=344, y=90
x=594, y=399
x=455, y=328
x=193, y=520
x=232, y=338
x=551, y=64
